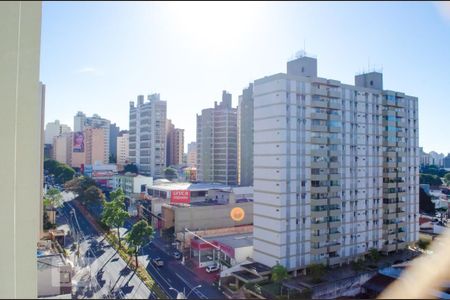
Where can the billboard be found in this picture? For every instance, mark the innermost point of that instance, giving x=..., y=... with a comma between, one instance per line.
x=102, y=173
x=78, y=141
x=180, y=196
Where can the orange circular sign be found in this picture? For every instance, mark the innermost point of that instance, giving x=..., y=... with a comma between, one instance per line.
x=237, y=214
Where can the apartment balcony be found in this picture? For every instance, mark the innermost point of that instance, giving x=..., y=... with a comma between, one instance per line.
x=334, y=93
x=334, y=176
x=334, y=212
x=334, y=260
x=322, y=141
x=389, y=216
x=334, y=224
x=335, y=188
x=319, y=164
x=390, y=175
x=389, y=123
x=334, y=105
x=318, y=214
x=401, y=164
x=389, y=236
x=319, y=152
x=335, y=236
x=390, y=206
x=319, y=238
x=389, y=185
x=334, y=165
x=323, y=225
x=334, y=248
x=401, y=214
x=401, y=144
x=319, y=128
x=401, y=114
x=335, y=200
x=318, y=251
x=319, y=189
x=334, y=141
x=332, y=117
x=392, y=164
x=390, y=154
x=318, y=91
x=334, y=129
x=319, y=177
x=335, y=153
x=319, y=202
x=319, y=103
x=388, y=227
x=319, y=116
x=401, y=134
x=401, y=235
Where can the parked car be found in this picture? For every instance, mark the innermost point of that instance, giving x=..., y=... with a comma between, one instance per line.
x=213, y=268
x=158, y=261
x=177, y=255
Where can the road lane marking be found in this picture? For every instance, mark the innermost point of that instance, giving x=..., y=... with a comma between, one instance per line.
x=197, y=292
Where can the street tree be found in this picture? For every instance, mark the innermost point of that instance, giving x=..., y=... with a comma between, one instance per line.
x=79, y=185
x=170, y=173
x=279, y=273
x=140, y=234
x=53, y=197
x=447, y=178
x=114, y=214
x=316, y=271
x=92, y=194
x=374, y=255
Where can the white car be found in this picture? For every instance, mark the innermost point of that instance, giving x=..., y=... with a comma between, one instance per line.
x=157, y=261
x=213, y=268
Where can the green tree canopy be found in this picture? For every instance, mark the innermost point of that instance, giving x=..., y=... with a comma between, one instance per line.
x=316, y=271
x=433, y=180
x=170, y=173
x=279, y=273
x=53, y=197
x=374, y=255
x=425, y=204
x=62, y=172
x=447, y=178
x=92, y=194
x=79, y=185
x=140, y=234
x=114, y=214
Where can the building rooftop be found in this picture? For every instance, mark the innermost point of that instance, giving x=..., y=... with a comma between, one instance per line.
x=170, y=186
x=235, y=240
x=258, y=267
x=50, y=261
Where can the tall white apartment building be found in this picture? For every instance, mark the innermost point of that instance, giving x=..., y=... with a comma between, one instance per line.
x=217, y=143
x=147, y=136
x=335, y=168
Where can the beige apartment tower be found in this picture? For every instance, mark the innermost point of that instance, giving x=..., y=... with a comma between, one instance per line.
x=335, y=167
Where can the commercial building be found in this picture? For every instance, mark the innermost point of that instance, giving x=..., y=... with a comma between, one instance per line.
x=102, y=174
x=62, y=147
x=53, y=129
x=192, y=154
x=123, y=153
x=135, y=188
x=217, y=143
x=175, y=144
x=245, y=137
x=335, y=167
x=147, y=141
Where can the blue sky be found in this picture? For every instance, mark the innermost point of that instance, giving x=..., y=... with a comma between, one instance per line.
x=98, y=56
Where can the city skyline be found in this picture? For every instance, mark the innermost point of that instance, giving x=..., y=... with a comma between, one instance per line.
x=98, y=63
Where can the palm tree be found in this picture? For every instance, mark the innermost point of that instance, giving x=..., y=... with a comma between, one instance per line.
x=279, y=273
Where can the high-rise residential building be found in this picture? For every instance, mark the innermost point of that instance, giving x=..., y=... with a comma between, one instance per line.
x=147, y=140
x=62, y=148
x=78, y=121
x=95, y=146
x=335, y=167
x=113, y=134
x=175, y=144
x=81, y=122
x=123, y=156
x=217, y=143
x=436, y=159
x=53, y=129
x=192, y=154
x=245, y=137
